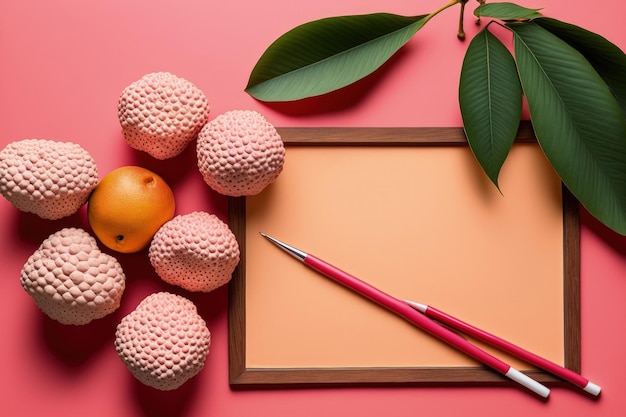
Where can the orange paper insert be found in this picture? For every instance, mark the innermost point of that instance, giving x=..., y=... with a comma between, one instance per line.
x=418, y=222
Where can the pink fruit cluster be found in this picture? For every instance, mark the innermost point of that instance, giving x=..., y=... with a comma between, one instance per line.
x=164, y=342
x=239, y=152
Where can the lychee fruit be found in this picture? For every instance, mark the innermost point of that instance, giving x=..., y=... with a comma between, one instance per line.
x=48, y=178
x=240, y=153
x=161, y=113
x=195, y=251
x=71, y=280
x=164, y=342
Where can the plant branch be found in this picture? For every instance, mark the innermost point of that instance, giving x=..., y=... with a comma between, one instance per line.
x=446, y=6
x=461, y=32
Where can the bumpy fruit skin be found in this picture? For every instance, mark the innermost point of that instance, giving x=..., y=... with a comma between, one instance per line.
x=240, y=153
x=164, y=342
x=161, y=113
x=48, y=178
x=71, y=280
x=195, y=251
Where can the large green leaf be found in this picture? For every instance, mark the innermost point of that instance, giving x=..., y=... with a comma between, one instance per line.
x=604, y=56
x=490, y=98
x=577, y=121
x=324, y=55
x=506, y=11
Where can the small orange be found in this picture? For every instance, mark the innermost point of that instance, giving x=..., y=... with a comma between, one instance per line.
x=128, y=206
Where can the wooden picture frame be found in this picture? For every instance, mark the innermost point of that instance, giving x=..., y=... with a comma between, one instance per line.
x=241, y=375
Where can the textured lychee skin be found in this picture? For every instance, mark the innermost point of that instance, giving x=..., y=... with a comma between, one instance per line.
x=240, y=153
x=164, y=342
x=48, y=178
x=71, y=280
x=195, y=251
x=161, y=113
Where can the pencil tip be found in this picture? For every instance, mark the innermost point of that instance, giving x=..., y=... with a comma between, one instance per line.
x=296, y=253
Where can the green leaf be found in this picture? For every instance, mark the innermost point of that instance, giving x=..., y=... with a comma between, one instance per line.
x=490, y=98
x=506, y=11
x=577, y=121
x=607, y=59
x=325, y=55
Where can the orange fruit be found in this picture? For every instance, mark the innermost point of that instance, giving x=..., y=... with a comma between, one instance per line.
x=128, y=206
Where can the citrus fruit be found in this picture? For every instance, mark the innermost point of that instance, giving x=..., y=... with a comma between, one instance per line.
x=128, y=206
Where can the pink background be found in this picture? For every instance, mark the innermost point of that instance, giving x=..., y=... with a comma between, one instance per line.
x=64, y=64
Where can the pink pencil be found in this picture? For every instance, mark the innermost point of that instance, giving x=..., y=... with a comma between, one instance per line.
x=505, y=346
x=404, y=310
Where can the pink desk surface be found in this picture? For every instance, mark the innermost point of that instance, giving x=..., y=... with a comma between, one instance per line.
x=64, y=64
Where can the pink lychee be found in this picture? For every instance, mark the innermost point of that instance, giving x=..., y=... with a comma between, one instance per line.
x=71, y=280
x=164, y=342
x=48, y=178
x=195, y=251
x=161, y=113
x=240, y=153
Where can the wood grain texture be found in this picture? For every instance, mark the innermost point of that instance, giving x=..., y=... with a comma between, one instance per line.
x=385, y=136
x=242, y=376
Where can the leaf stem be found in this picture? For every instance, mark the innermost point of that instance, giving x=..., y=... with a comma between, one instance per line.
x=480, y=3
x=461, y=32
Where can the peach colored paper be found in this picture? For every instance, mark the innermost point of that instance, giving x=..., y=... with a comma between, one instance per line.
x=421, y=223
